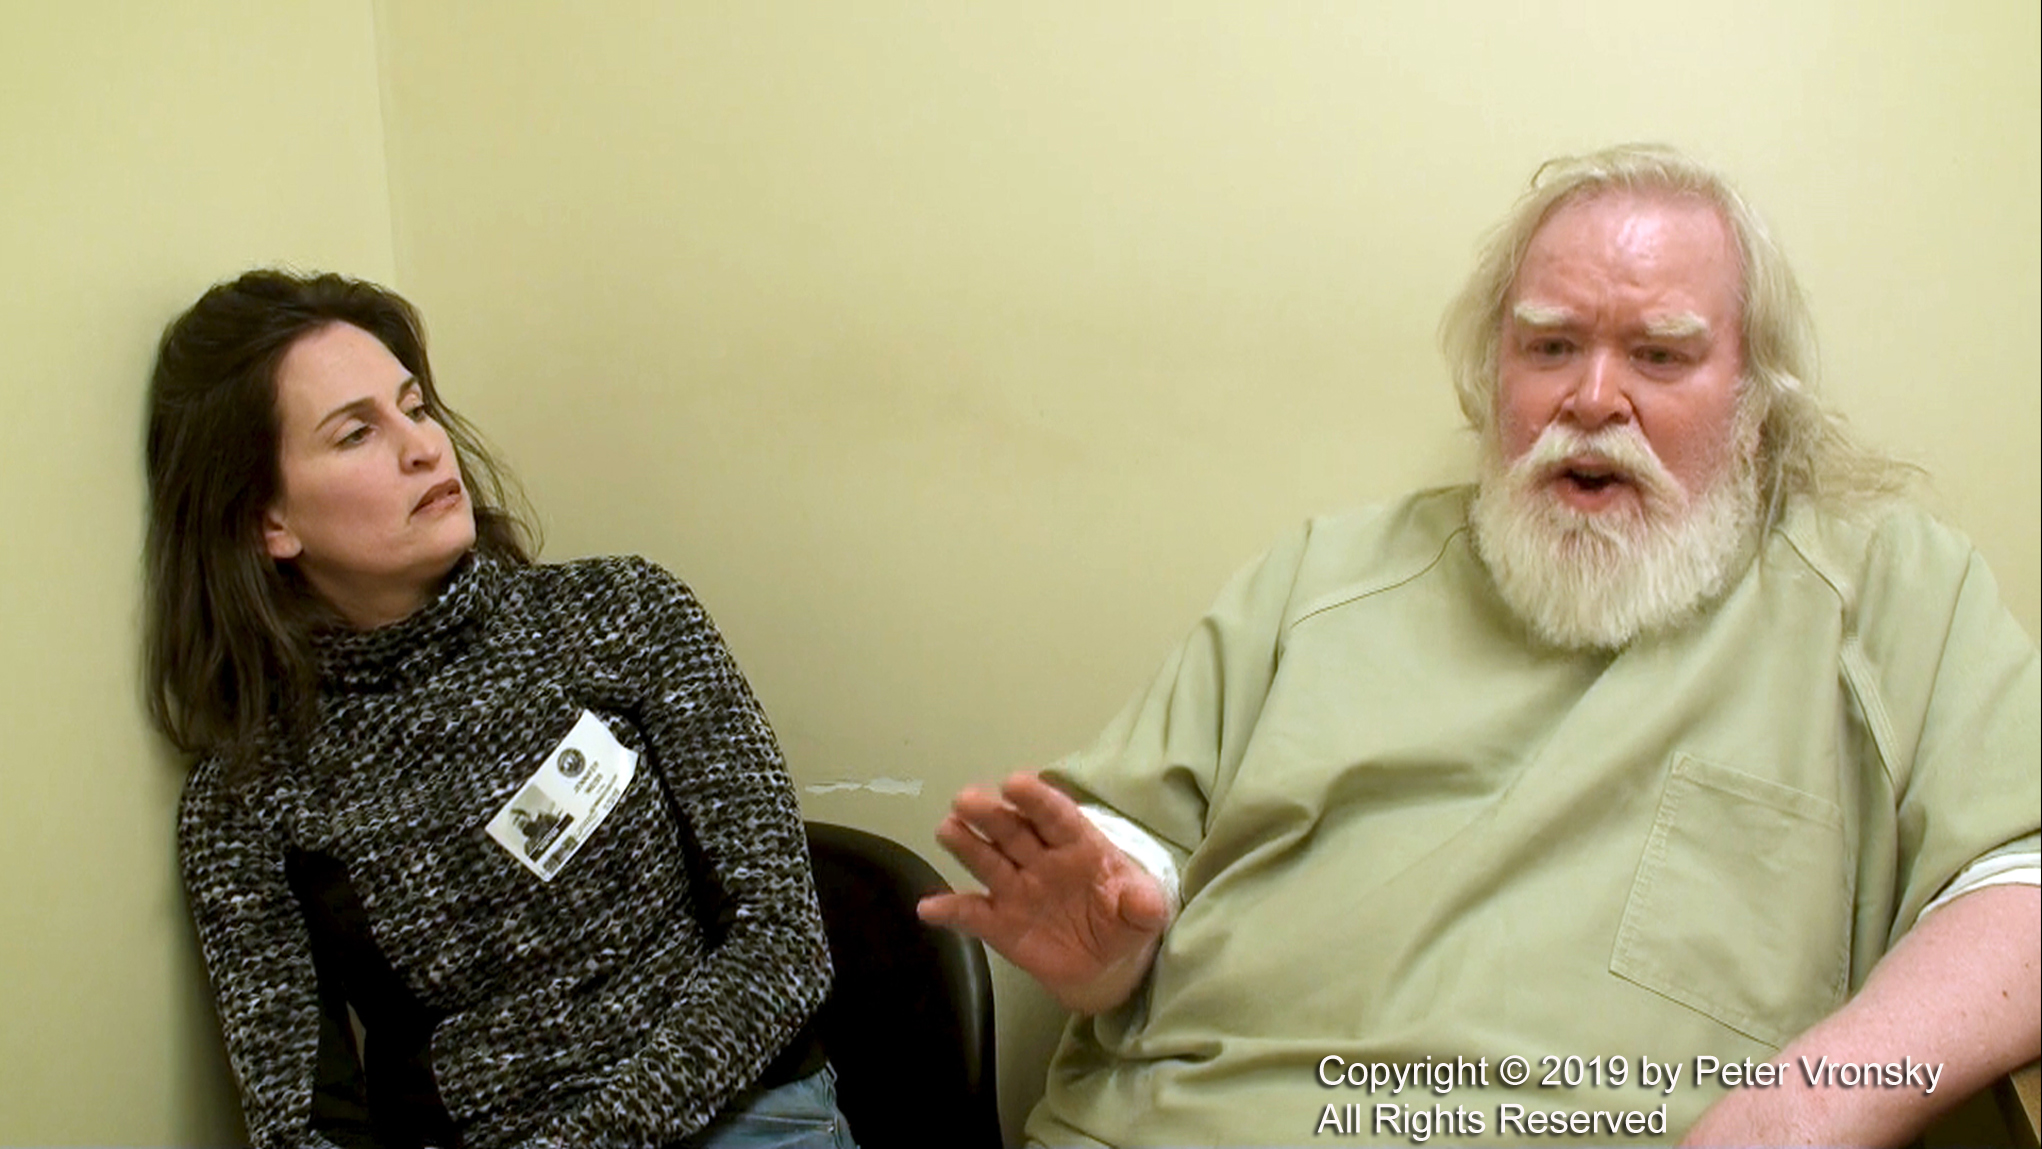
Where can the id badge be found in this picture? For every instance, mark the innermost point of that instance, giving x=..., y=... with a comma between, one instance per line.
x=558, y=807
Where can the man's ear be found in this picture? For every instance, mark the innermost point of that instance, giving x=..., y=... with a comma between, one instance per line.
x=277, y=538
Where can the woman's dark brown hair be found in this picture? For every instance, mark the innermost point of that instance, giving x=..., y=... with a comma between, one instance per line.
x=229, y=658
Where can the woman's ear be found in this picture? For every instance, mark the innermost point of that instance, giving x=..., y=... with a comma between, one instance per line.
x=277, y=538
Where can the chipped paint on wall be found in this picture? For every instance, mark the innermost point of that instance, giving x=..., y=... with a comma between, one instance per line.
x=912, y=787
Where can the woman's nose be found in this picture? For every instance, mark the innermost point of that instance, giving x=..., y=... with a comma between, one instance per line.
x=423, y=444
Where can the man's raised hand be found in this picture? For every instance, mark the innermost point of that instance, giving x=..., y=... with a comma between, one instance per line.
x=1060, y=901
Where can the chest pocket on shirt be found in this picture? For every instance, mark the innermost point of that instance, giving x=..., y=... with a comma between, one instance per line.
x=1741, y=905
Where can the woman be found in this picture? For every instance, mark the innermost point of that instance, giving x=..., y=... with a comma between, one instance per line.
x=526, y=821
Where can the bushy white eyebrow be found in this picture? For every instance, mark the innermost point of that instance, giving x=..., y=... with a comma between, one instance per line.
x=1541, y=315
x=1679, y=325
x=1547, y=317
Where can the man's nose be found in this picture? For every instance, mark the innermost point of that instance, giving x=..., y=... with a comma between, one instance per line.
x=1598, y=397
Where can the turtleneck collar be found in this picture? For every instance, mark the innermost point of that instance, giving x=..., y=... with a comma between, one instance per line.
x=387, y=656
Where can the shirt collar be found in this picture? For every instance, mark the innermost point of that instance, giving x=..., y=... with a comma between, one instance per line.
x=416, y=644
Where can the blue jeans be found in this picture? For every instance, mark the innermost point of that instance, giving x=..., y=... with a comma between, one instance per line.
x=798, y=1115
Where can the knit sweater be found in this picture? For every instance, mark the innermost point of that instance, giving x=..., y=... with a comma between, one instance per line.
x=622, y=1002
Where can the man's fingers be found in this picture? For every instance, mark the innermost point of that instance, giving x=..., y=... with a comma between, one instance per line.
x=970, y=913
x=1144, y=905
x=1056, y=819
x=997, y=821
x=938, y=909
x=985, y=862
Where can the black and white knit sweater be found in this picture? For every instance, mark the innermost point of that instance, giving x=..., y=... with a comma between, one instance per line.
x=624, y=1002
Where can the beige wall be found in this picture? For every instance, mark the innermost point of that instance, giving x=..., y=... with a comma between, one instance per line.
x=955, y=353
x=149, y=149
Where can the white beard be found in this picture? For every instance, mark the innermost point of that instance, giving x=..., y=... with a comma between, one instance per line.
x=1598, y=580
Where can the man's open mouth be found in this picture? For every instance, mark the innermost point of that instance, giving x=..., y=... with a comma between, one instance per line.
x=1591, y=475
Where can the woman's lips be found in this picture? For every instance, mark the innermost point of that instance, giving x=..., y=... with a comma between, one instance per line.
x=440, y=497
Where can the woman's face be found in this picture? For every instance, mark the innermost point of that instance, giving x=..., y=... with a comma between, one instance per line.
x=372, y=510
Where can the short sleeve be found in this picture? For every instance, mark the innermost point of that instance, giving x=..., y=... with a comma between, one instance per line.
x=1953, y=694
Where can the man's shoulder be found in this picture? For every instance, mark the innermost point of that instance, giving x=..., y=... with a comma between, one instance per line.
x=1875, y=548
x=1374, y=547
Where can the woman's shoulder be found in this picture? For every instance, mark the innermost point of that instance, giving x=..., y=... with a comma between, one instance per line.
x=597, y=573
x=223, y=793
x=607, y=586
x=205, y=786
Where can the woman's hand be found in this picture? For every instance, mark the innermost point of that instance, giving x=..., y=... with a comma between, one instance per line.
x=1060, y=901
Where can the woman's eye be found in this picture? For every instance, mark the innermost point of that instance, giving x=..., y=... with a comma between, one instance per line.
x=419, y=414
x=1549, y=348
x=1658, y=356
x=358, y=435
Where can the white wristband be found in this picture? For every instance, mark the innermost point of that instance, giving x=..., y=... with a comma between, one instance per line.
x=1141, y=847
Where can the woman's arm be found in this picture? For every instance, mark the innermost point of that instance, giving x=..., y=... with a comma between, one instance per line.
x=258, y=955
x=708, y=739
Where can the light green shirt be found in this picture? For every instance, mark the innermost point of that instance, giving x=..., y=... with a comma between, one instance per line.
x=1408, y=831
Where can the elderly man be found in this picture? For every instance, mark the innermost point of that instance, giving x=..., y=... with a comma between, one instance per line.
x=1676, y=778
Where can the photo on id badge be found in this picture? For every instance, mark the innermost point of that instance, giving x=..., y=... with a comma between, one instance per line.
x=538, y=819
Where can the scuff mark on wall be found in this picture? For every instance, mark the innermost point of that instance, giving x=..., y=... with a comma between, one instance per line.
x=912, y=787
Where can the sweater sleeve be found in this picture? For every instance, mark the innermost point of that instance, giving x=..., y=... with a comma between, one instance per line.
x=258, y=955
x=768, y=971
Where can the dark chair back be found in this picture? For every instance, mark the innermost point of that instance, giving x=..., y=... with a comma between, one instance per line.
x=909, y=1023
